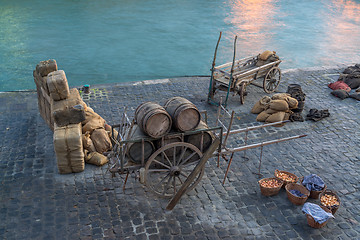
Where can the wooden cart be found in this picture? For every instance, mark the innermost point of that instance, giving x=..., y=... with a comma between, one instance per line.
x=235, y=76
x=173, y=169
x=176, y=168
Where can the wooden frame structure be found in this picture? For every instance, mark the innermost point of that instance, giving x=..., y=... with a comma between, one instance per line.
x=235, y=76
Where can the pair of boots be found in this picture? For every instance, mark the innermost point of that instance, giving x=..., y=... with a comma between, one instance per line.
x=316, y=115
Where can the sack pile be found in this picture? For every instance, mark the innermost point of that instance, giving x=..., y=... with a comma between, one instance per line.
x=79, y=133
x=275, y=109
x=348, y=80
x=266, y=57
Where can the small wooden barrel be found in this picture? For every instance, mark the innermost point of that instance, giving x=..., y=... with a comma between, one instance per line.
x=167, y=140
x=153, y=119
x=185, y=115
x=134, y=150
x=195, y=139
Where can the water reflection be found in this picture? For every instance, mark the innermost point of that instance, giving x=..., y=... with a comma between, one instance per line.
x=253, y=22
x=342, y=29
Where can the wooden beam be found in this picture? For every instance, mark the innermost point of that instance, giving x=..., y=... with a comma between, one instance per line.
x=193, y=175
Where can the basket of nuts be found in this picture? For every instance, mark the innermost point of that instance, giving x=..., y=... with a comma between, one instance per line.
x=286, y=177
x=330, y=200
x=270, y=186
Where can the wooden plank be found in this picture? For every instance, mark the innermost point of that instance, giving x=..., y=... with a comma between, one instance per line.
x=255, y=127
x=193, y=175
x=231, y=150
x=253, y=71
x=222, y=81
x=238, y=61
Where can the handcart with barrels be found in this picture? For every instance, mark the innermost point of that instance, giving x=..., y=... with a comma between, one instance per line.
x=235, y=76
x=170, y=158
x=168, y=146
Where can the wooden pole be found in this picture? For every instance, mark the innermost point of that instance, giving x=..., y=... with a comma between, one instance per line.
x=193, y=175
x=212, y=83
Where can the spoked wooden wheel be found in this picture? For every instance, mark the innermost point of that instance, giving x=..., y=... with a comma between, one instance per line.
x=272, y=80
x=242, y=92
x=165, y=175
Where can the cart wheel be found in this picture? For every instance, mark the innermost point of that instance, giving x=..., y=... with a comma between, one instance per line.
x=272, y=80
x=242, y=93
x=165, y=175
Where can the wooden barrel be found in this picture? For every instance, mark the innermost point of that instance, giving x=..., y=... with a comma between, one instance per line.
x=153, y=119
x=184, y=114
x=167, y=140
x=195, y=139
x=134, y=150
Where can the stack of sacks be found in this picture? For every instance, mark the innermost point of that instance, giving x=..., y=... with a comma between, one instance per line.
x=40, y=78
x=275, y=109
x=351, y=76
x=348, y=80
x=95, y=137
x=266, y=57
x=67, y=110
x=79, y=133
x=69, y=148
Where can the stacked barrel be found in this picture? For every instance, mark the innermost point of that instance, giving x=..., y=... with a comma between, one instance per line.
x=79, y=133
x=161, y=123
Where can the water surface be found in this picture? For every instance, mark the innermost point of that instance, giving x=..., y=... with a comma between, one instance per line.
x=98, y=41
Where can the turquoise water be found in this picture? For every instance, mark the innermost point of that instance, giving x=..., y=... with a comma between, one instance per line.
x=97, y=41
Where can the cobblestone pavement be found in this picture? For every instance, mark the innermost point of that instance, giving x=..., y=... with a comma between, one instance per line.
x=38, y=203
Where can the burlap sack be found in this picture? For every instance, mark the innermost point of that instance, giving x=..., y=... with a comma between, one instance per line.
x=46, y=67
x=292, y=102
x=261, y=105
x=266, y=54
x=69, y=115
x=96, y=158
x=262, y=116
x=101, y=140
x=270, y=111
x=58, y=85
x=276, y=117
x=66, y=111
x=112, y=132
x=279, y=105
x=87, y=142
x=271, y=58
x=280, y=96
x=69, y=148
x=40, y=82
x=287, y=116
x=89, y=115
x=95, y=123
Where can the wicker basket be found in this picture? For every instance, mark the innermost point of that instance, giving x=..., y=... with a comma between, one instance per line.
x=295, y=199
x=312, y=222
x=288, y=173
x=270, y=191
x=314, y=194
x=332, y=193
